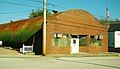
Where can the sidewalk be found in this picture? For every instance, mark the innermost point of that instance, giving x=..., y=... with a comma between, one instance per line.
x=82, y=54
x=110, y=54
x=7, y=52
x=20, y=56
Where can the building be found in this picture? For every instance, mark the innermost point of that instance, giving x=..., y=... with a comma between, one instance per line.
x=68, y=32
x=114, y=37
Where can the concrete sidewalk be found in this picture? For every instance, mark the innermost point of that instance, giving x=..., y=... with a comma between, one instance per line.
x=28, y=55
x=110, y=54
x=6, y=52
x=20, y=56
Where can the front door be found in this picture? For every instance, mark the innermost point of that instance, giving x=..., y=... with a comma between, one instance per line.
x=74, y=45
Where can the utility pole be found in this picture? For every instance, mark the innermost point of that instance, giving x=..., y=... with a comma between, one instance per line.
x=44, y=27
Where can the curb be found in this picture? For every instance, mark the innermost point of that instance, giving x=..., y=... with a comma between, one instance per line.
x=20, y=56
x=84, y=55
x=60, y=55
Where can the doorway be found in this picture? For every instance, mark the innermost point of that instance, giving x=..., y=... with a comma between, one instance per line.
x=74, y=45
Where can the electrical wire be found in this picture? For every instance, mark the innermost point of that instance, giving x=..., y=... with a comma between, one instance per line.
x=13, y=12
x=35, y=6
x=18, y=4
x=35, y=1
x=50, y=4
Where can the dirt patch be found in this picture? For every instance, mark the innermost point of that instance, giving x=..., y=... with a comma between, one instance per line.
x=8, y=51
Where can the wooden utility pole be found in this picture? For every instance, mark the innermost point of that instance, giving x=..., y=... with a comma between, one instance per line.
x=44, y=27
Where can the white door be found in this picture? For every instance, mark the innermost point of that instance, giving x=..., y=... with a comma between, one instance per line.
x=74, y=45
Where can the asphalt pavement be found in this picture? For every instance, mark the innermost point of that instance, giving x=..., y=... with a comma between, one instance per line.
x=60, y=63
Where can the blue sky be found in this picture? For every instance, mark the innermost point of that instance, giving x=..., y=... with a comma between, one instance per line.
x=19, y=9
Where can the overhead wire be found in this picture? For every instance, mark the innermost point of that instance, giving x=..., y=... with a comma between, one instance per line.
x=50, y=4
x=25, y=5
x=37, y=1
x=13, y=12
x=18, y=4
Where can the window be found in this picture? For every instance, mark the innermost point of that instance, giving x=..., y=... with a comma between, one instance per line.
x=96, y=40
x=83, y=40
x=74, y=41
x=74, y=36
x=61, y=40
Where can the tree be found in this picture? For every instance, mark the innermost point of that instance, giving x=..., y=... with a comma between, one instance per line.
x=118, y=20
x=38, y=12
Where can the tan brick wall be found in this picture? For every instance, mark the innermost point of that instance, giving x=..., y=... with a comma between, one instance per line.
x=84, y=49
x=60, y=50
x=105, y=42
x=95, y=49
x=71, y=23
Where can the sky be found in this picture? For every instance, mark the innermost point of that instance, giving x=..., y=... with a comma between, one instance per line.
x=19, y=9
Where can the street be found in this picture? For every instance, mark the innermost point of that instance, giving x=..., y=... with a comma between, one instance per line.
x=60, y=63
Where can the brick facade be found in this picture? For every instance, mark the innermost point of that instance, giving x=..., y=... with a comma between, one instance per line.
x=75, y=22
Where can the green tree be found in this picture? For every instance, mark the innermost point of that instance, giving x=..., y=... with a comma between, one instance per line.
x=38, y=12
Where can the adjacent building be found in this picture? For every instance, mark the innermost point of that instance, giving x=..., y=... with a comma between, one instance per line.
x=114, y=37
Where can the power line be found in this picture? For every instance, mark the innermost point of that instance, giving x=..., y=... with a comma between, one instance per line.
x=12, y=12
x=50, y=4
x=18, y=4
x=40, y=2
x=34, y=6
x=35, y=1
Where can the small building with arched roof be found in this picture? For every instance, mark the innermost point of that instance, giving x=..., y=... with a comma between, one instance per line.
x=75, y=31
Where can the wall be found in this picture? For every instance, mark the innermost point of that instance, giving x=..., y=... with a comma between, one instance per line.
x=70, y=24
x=111, y=39
x=95, y=49
x=105, y=42
x=84, y=49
